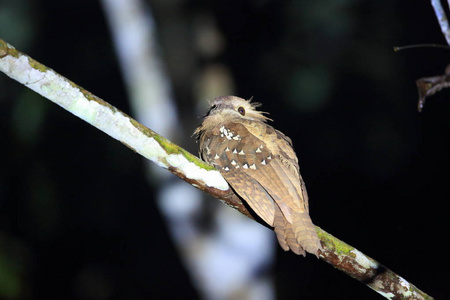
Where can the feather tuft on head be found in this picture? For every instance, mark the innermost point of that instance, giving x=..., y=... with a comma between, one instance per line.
x=227, y=108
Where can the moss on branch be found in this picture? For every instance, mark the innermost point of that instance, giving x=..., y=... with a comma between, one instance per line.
x=168, y=155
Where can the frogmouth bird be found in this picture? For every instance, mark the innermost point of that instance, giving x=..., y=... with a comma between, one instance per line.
x=261, y=166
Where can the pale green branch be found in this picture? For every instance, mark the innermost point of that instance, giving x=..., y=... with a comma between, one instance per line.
x=165, y=154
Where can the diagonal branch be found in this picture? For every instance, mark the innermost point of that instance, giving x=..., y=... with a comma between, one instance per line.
x=165, y=154
x=442, y=18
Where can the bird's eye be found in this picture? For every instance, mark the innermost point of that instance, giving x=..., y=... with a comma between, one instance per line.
x=241, y=110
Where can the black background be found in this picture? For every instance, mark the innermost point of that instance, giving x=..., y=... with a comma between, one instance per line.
x=72, y=200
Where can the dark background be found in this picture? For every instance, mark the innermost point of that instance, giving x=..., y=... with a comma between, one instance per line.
x=77, y=217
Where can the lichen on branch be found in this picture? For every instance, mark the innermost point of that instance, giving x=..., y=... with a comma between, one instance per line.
x=168, y=155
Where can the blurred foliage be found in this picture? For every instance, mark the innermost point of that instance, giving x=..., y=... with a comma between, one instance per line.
x=28, y=107
x=17, y=22
x=14, y=262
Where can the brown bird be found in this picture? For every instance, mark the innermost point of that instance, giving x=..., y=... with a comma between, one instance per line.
x=260, y=164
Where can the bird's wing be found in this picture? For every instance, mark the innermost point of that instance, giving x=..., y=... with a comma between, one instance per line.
x=281, y=147
x=255, y=171
x=222, y=147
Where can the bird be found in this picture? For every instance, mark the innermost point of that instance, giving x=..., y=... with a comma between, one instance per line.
x=260, y=165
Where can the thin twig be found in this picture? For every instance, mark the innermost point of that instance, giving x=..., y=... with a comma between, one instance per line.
x=167, y=155
x=442, y=19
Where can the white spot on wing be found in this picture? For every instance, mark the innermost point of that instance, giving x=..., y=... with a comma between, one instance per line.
x=227, y=133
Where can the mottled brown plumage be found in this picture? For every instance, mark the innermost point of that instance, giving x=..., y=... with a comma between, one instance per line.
x=260, y=164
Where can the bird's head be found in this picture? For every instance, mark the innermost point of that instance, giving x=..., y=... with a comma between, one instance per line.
x=228, y=108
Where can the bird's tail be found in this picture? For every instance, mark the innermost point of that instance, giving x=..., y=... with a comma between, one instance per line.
x=298, y=236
